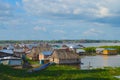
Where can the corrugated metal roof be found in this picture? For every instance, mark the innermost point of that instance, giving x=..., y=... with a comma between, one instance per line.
x=80, y=50
x=9, y=57
x=47, y=52
x=110, y=49
x=7, y=51
x=19, y=50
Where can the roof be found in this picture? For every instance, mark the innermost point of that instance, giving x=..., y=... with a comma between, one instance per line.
x=110, y=49
x=75, y=46
x=18, y=50
x=80, y=50
x=63, y=54
x=47, y=52
x=9, y=57
x=7, y=51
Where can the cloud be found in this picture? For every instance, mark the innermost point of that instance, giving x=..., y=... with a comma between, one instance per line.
x=5, y=10
x=70, y=6
x=92, y=32
x=88, y=10
x=37, y=28
x=59, y=31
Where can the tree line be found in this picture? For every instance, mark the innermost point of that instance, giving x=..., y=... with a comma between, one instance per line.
x=58, y=41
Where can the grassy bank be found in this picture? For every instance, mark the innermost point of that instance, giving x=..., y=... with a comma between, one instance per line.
x=56, y=72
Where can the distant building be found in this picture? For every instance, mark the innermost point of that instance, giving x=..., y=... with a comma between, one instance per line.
x=110, y=51
x=80, y=51
x=99, y=50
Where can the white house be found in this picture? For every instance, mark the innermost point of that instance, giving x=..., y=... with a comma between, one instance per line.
x=99, y=50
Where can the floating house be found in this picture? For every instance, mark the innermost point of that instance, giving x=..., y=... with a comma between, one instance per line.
x=12, y=61
x=100, y=50
x=80, y=51
x=62, y=56
x=44, y=56
x=109, y=51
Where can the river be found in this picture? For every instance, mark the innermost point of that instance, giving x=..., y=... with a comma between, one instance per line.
x=100, y=61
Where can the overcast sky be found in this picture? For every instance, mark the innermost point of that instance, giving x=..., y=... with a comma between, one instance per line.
x=59, y=19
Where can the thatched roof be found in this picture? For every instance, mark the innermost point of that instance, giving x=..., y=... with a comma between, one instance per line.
x=64, y=54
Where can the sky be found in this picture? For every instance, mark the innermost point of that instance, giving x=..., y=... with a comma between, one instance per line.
x=59, y=19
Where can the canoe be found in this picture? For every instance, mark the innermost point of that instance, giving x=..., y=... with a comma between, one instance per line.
x=40, y=68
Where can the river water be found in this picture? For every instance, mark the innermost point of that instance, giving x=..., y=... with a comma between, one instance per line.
x=100, y=61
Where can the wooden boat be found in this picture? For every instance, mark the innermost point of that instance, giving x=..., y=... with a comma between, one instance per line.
x=39, y=68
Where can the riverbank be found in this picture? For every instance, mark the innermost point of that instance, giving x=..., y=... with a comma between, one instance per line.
x=56, y=72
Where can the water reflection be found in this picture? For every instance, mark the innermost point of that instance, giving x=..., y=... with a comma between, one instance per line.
x=100, y=61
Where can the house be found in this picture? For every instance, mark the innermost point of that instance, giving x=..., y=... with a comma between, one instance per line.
x=109, y=51
x=80, y=51
x=62, y=56
x=99, y=50
x=55, y=46
x=19, y=52
x=34, y=54
x=44, y=56
x=12, y=61
x=75, y=47
x=5, y=53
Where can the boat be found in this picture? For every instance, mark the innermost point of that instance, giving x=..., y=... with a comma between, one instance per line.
x=40, y=68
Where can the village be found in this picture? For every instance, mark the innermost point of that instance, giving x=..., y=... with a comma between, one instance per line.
x=43, y=53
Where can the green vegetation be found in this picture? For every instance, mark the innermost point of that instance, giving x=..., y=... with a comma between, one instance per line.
x=56, y=72
x=90, y=50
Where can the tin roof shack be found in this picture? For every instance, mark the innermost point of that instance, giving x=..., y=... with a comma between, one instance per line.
x=12, y=61
x=44, y=57
x=75, y=47
x=34, y=54
x=5, y=52
x=19, y=52
x=99, y=50
x=62, y=56
x=110, y=51
x=80, y=51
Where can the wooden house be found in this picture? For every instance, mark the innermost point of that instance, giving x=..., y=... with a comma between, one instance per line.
x=44, y=56
x=34, y=54
x=62, y=56
x=12, y=61
x=109, y=51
